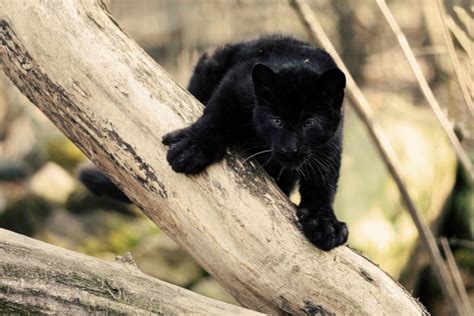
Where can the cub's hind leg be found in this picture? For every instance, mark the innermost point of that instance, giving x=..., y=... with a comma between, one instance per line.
x=98, y=183
x=209, y=71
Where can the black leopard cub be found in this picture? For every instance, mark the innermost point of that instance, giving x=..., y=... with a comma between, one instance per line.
x=280, y=101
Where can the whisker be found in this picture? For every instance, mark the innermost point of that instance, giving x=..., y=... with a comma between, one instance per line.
x=301, y=171
x=256, y=154
x=327, y=161
x=280, y=173
x=306, y=176
x=318, y=164
x=268, y=161
x=312, y=171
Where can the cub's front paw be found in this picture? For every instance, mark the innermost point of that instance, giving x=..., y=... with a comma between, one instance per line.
x=186, y=154
x=322, y=228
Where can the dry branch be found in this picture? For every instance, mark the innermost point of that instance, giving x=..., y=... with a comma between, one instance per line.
x=454, y=58
x=364, y=111
x=425, y=88
x=36, y=277
x=112, y=100
x=456, y=275
x=461, y=36
x=39, y=278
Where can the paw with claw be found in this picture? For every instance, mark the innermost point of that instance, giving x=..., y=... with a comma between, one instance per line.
x=322, y=228
x=187, y=154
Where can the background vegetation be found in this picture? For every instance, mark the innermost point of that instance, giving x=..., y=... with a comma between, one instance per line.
x=41, y=197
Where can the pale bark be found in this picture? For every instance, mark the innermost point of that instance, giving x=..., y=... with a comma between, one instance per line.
x=38, y=278
x=73, y=61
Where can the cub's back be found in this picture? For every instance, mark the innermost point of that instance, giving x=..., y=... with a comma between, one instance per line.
x=276, y=51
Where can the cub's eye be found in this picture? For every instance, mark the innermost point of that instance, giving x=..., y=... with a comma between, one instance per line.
x=277, y=122
x=310, y=122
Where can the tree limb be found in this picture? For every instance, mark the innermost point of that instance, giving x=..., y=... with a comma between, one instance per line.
x=112, y=100
x=38, y=278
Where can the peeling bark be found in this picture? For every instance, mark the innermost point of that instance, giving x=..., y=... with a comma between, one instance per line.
x=112, y=100
x=39, y=278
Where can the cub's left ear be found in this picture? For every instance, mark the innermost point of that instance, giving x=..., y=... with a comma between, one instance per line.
x=332, y=81
x=263, y=75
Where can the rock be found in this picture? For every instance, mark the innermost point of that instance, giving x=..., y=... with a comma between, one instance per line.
x=52, y=183
x=12, y=170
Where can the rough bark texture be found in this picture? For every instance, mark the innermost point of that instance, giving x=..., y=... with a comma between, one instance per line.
x=111, y=99
x=36, y=277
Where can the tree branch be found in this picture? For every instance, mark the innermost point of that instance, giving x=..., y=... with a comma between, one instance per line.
x=36, y=277
x=112, y=100
x=454, y=58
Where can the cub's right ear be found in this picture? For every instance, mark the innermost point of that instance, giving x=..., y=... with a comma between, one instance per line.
x=262, y=75
x=332, y=81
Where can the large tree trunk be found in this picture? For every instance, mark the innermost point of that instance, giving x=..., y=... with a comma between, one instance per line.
x=111, y=99
x=39, y=278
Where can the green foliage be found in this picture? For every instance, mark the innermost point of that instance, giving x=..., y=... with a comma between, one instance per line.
x=109, y=232
x=465, y=259
x=63, y=152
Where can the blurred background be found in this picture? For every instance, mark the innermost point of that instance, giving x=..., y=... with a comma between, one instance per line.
x=41, y=197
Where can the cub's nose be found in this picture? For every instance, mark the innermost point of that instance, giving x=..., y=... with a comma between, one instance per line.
x=287, y=151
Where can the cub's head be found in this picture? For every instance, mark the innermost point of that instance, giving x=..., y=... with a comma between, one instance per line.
x=297, y=110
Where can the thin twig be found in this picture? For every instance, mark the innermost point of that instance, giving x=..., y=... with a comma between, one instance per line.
x=462, y=38
x=465, y=20
x=364, y=111
x=454, y=58
x=425, y=88
x=456, y=276
x=469, y=244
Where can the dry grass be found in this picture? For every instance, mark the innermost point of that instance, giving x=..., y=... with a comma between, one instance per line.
x=363, y=109
x=454, y=58
x=425, y=88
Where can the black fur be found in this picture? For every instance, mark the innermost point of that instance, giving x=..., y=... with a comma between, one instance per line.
x=99, y=184
x=279, y=100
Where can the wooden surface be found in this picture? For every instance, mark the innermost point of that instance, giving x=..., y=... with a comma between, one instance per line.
x=112, y=100
x=39, y=278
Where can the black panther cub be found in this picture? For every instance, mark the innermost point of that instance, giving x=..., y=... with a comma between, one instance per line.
x=279, y=99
